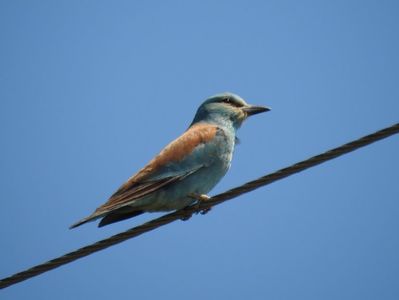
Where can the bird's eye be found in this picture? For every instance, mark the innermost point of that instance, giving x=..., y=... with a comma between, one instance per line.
x=232, y=103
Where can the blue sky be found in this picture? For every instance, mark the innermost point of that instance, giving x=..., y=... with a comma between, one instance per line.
x=91, y=90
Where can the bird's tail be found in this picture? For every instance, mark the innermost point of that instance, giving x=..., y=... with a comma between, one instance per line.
x=109, y=218
x=90, y=218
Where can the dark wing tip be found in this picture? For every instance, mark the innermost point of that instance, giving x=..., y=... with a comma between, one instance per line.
x=117, y=216
x=83, y=221
x=77, y=224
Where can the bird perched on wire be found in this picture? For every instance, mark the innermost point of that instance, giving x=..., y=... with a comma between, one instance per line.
x=185, y=170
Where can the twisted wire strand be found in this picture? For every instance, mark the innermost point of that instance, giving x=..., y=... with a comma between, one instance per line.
x=204, y=205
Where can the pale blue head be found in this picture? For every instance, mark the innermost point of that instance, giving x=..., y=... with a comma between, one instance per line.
x=226, y=109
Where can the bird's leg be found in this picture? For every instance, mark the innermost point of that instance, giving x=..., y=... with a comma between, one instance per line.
x=187, y=215
x=200, y=198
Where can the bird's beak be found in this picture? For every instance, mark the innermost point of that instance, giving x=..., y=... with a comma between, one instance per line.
x=254, y=109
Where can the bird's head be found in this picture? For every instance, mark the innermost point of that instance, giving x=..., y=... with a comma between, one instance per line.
x=226, y=109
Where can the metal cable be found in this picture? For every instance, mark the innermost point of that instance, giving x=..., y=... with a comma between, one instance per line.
x=187, y=212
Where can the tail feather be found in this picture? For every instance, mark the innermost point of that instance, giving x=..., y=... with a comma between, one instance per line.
x=84, y=221
x=116, y=217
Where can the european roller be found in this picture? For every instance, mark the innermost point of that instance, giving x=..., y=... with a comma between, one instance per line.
x=186, y=169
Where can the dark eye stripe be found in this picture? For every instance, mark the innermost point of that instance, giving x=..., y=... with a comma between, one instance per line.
x=232, y=103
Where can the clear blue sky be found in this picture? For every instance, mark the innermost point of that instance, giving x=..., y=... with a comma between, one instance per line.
x=91, y=90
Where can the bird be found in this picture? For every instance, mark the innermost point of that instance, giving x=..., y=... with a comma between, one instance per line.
x=186, y=169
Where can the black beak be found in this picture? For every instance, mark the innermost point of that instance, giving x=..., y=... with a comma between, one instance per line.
x=254, y=109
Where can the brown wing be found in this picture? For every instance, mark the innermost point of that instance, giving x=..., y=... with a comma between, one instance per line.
x=124, y=197
x=152, y=177
x=148, y=179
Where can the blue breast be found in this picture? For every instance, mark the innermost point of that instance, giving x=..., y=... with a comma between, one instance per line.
x=214, y=159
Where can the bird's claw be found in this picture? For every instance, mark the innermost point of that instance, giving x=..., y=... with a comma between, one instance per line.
x=197, y=206
x=205, y=211
x=187, y=214
x=200, y=198
x=186, y=217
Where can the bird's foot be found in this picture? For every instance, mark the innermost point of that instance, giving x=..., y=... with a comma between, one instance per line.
x=200, y=198
x=197, y=206
x=187, y=216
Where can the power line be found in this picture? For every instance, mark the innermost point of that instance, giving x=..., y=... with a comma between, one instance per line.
x=187, y=212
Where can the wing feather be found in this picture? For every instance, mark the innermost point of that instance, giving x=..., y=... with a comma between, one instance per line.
x=159, y=172
x=127, y=196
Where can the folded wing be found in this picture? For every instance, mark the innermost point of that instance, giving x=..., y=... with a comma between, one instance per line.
x=169, y=166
